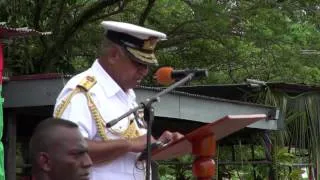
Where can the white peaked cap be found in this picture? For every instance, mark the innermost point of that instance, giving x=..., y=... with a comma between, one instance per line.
x=140, y=42
x=133, y=30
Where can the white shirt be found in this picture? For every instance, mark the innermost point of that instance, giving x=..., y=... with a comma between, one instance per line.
x=111, y=102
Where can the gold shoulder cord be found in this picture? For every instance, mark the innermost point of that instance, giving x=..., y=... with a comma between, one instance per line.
x=84, y=86
x=64, y=103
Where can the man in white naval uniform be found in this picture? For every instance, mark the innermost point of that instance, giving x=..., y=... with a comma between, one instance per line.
x=104, y=92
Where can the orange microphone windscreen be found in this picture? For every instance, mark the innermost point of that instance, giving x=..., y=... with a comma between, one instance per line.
x=163, y=76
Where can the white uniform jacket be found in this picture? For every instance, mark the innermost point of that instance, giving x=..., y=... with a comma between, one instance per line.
x=111, y=102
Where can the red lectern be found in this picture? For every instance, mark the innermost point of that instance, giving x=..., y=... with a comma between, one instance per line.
x=202, y=143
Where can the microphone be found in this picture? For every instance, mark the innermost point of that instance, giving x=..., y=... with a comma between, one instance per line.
x=167, y=75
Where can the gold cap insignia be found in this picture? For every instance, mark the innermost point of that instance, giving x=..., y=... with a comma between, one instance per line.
x=150, y=44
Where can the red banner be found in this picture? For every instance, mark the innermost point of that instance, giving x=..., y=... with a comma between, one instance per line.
x=1, y=62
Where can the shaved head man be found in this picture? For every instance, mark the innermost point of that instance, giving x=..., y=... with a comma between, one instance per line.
x=58, y=151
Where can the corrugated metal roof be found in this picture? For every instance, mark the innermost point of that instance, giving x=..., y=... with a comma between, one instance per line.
x=238, y=91
x=226, y=91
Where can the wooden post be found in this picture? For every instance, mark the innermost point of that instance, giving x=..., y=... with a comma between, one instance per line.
x=204, y=148
x=10, y=147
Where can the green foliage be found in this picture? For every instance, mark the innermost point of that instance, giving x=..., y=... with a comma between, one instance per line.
x=239, y=166
x=176, y=169
x=301, y=129
x=235, y=40
x=74, y=33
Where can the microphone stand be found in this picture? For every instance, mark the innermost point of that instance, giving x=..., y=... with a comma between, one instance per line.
x=149, y=115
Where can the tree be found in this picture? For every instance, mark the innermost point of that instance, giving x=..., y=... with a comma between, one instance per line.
x=66, y=19
x=235, y=40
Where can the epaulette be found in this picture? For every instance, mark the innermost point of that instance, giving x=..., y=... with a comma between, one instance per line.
x=87, y=83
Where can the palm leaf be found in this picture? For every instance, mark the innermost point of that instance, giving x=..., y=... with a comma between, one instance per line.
x=301, y=117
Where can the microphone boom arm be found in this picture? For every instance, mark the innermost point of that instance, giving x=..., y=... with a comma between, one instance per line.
x=149, y=101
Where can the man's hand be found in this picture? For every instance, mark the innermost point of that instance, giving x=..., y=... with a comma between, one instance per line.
x=139, y=144
x=169, y=137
